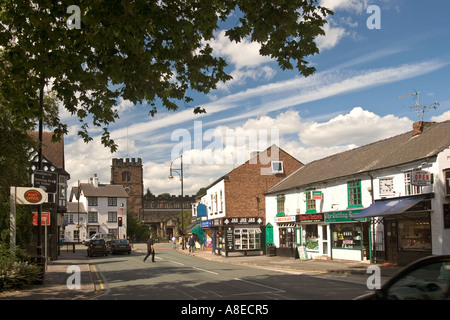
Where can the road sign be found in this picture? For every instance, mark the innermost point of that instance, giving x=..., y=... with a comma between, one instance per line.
x=46, y=180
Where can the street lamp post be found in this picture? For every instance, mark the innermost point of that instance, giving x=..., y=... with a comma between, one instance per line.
x=179, y=171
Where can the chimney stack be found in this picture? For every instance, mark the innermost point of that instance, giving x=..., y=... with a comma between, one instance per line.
x=419, y=126
x=94, y=180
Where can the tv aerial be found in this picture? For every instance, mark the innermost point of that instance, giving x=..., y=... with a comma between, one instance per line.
x=420, y=109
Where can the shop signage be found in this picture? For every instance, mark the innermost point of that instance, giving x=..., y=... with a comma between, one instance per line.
x=206, y=224
x=45, y=217
x=342, y=216
x=253, y=220
x=317, y=195
x=310, y=217
x=229, y=238
x=285, y=219
x=447, y=182
x=29, y=196
x=420, y=178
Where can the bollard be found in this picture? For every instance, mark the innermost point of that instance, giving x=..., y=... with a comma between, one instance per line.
x=73, y=249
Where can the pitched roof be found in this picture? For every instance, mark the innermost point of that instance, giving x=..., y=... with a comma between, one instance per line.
x=400, y=149
x=72, y=207
x=103, y=190
x=53, y=151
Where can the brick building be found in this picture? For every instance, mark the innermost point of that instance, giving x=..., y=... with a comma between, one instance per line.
x=235, y=203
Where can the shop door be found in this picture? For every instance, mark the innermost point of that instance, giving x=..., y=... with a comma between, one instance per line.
x=391, y=241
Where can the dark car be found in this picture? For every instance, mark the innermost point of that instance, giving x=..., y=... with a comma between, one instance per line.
x=120, y=246
x=97, y=247
x=425, y=279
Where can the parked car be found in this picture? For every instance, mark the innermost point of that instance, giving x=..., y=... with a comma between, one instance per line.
x=425, y=279
x=97, y=247
x=105, y=236
x=120, y=245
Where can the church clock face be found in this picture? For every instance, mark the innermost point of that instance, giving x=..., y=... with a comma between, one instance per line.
x=127, y=189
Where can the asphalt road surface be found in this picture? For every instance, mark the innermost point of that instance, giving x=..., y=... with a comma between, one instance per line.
x=176, y=276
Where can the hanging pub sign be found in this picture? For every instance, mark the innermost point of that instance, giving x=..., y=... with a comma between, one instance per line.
x=420, y=178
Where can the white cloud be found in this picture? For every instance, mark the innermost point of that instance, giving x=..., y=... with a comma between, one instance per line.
x=357, y=127
x=331, y=38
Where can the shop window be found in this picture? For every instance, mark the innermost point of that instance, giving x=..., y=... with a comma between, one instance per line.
x=247, y=238
x=280, y=205
x=414, y=234
x=286, y=237
x=346, y=235
x=354, y=193
x=312, y=237
x=310, y=202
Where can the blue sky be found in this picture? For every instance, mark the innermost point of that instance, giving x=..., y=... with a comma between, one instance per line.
x=351, y=100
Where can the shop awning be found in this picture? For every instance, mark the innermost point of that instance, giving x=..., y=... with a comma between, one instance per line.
x=389, y=207
x=197, y=229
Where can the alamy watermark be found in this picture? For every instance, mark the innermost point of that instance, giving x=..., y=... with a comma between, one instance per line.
x=74, y=280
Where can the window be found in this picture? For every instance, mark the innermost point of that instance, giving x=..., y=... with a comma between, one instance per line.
x=354, y=193
x=411, y=189
x=247, y=239
x=112, y=202
x=277, y=166
x=126, y=176
x=221, y=202
x=280, y=205
x=92, y=201
x=112, y=216
x=92, y=217
x=310, y=202
x=71, y=218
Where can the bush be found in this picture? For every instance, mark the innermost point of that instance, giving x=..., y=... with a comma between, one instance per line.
x=16, y=272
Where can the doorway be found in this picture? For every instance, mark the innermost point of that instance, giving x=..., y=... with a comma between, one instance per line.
x=391, y=237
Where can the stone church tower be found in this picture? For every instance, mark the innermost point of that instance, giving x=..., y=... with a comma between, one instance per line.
x=129, y=174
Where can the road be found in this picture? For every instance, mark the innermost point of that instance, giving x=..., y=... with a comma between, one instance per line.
x=176, y=276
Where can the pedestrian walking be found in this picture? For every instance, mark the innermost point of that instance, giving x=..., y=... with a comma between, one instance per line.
x=150, y=249
x=191, y=243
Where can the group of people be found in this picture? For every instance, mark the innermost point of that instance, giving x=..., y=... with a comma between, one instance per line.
x=192, y=244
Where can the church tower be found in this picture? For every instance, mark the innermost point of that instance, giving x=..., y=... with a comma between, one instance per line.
x=129, y=174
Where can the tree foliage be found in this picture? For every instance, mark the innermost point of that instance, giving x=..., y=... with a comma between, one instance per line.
x=149, y=52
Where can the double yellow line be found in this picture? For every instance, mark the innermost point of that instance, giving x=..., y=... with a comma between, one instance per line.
x=98, y=279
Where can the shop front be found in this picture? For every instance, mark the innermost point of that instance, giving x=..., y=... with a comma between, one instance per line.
x=314, y=235
x=349, y=236
x=242, y=236
x=287, y=236
x=208, y=235
x=406, y=228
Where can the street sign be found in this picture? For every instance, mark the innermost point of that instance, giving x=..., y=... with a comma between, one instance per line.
x=317, y=195
x=46, y=180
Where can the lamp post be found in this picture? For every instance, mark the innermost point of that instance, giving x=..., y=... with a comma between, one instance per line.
x=179, y=171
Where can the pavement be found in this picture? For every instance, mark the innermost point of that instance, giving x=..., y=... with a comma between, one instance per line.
x=55, y=286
